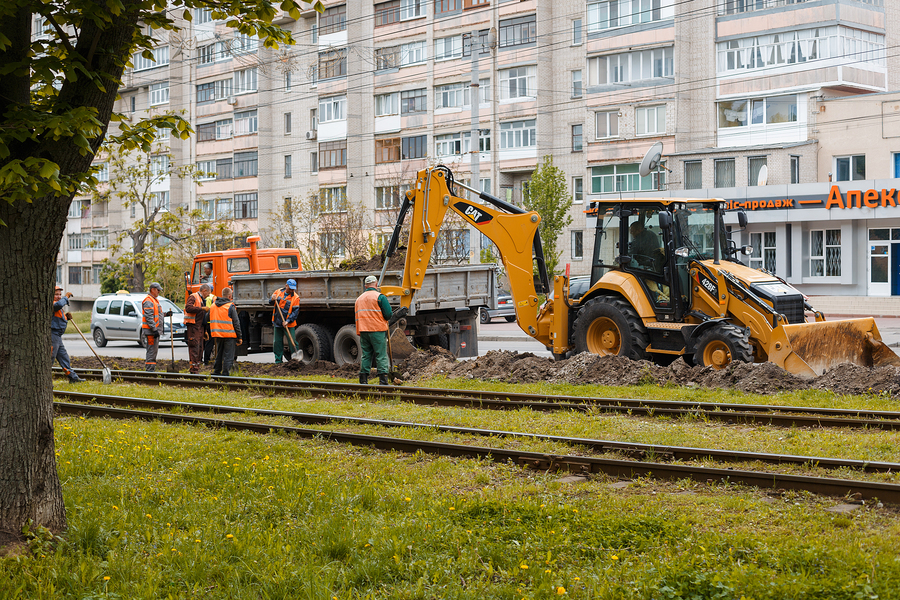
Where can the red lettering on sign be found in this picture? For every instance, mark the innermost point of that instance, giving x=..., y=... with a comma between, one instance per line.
x=835, y=198
x=887, y=197
x=854, y=198
x=870, y=198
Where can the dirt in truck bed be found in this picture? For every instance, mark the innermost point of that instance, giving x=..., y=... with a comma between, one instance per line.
x=515, y=367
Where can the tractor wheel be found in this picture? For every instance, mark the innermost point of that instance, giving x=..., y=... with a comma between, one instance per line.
x=608, y=326
x=313, y=343
x=721, y=346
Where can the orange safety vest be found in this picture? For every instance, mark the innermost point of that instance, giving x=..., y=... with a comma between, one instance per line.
x=220, y=324
x=156, y=313
x=287, y=307
x=191, y=318
x=368, y=313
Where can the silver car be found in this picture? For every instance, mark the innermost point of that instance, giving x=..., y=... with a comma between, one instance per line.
x=117, y=317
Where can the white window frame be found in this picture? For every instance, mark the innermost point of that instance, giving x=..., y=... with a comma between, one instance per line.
x=451, y=95
x=448, y=144
x=609, y=119
x=389, y=196
x=206, y=170
x=224, y=129
x=576, y=233
x=412, y=9
x=160, y=59
x=159, y=200
x=523, y=76
x=159, y=165
x=650, y=120
x=333, y=199
x=759, y=258
x=246, y=81
x=413, y=53
x=100, y=239
x=515, y=135
x=448, y=48
x=578, y=190
x=627, y=12
x=333, y=108
x=102, y=171
x=159, y=93
x=244, y=44
x=822, y=259
x=387, y=104
x=626, y=67
x=851, y=160
x=246, y=122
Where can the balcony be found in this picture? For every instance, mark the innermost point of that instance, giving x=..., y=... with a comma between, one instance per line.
x=737, y=7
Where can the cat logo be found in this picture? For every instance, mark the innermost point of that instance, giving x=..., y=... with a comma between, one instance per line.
x=473, y=213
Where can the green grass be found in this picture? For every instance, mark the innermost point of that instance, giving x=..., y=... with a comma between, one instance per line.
x=162, y=511
x=83, y=319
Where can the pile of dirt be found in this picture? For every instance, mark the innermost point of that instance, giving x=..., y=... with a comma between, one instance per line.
x=396, y=263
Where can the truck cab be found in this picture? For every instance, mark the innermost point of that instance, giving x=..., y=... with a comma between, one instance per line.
x=216, y=268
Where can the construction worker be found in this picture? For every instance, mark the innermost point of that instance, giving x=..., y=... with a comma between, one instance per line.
x=152, y=325
x=286, y=303
x=209, y=344
x=207, y=276
x=58, y=324
x=372, y=314
x=225, y=328
x=195, y=312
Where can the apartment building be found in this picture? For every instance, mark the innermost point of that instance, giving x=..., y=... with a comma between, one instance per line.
x=374, y=91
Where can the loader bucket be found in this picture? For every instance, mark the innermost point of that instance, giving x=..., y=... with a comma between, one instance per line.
x=826, y=344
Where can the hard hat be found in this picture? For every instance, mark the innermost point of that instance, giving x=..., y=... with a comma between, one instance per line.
x=292, y=284
x=371, y=279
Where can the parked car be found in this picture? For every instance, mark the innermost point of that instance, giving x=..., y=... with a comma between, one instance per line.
x=505, y=308
x=578, y=286
x=117, y=317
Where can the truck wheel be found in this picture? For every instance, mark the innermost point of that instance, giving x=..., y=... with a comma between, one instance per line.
x=312, y=343
x=441, y=339
x=484, y=317
x=99, y=338
x=610, y=327
x=510, y=318
x=346, y=346
x=721, y=346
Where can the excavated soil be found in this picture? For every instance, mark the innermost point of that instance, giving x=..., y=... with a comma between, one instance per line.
x=375, y=263
x=515, y=367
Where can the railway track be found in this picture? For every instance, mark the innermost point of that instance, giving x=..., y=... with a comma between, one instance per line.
x=761, y=414
x=623, y=468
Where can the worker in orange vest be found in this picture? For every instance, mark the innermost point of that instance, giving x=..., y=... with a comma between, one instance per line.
x=195, y=314
x=152, y=325
x=225, y=328
x=372, y=313
x=288, y=304
x=58, y=324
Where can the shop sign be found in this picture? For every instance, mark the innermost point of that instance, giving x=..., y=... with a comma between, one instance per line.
x=837, y=200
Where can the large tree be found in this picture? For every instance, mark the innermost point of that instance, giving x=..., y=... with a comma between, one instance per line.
x=548, y=195
x=58, y=95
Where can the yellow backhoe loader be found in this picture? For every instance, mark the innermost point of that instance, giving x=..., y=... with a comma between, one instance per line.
x=665, y=278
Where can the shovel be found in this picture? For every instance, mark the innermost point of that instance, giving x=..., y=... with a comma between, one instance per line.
x=172, y=368
x=107, y=376
x=291, y=340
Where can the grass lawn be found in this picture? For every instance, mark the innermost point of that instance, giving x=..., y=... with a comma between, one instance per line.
x=83, y=319
x=170, y=511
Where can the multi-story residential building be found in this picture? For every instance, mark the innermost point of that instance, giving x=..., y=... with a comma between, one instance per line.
x=374, y=91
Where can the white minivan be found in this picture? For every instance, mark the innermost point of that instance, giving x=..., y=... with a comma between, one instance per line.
x=118, y=317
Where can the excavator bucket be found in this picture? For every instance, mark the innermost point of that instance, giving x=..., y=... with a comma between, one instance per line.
x=826, y=344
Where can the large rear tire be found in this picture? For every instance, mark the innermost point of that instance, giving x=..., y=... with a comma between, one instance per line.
x=721, y=346
x=346, y=346
x=609, y=326
x=313, y=344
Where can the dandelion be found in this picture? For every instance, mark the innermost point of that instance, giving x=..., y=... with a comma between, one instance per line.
x=614, y=557
x=523, y=566
x=408, y=499
x=229, y=536
x=106, y=578
x=452, y=508
x=196, y=541
x=149, y=516
x=560, y=590
x=115, y=507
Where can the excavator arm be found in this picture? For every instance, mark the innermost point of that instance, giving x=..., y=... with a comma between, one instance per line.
x=512, y=229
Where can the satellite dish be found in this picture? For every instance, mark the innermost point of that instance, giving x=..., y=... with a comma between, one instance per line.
x=763, y=176
x=651, y=159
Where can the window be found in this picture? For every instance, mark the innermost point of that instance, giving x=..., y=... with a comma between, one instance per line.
x=331, y=243
x=724, y=173
x=850, y=168
x=159, y=93
x=450, y=96
x=246, y=122
x=448, y=47
x=412, y=53
x=414, y=147
x=133, y=100
x=206, y=170
x=518, y=134
x=795, y=169
x=206, y=54
x=314, y=162
x=332, y=63
x=224, y=208
x=333, y=109
x=448, y=144
x=577, y=190
x=100, y=208
x=755, y=163
x=102, y=171
x=576, y=32
x=387, y=150
x=220, y=130
x=287, y=81
x=387, y=13
x=693, y=175
x=387, y=58
x=314, y=119
x=413, y=101
x=157, y=57
x=245, y=164
x=287, y=123
x=475, y=3
x=287, y=166
x=620, y=13
x=518, y=83
x=518, y=31
x=576, y=84
x=202, y=15
x=411, y=9
x=314, y=33
x=484, y=142
x=452, y=244
x=245, y=81
x=215, y=90
x=763, y=256
x=825, y=253
x=577, y=142
x=75, y=210
x=244, y=44
x=159, y=165
x=757, y=111
x=334, y=19
x=75, y=241
x=446, y=6
x=74, y=275
x=632, y=66
x=160, y=201
x=333, y=154
x=481, y=44
x=224, y=168
x=607, y=124
x=577, y=245
x=245, y=206
x=650, y=120
x=333, y=199
x=387, y=104
x=96, y=271
x=387, y=197
x=59, y=274
x=623, y=178
x=162, y=134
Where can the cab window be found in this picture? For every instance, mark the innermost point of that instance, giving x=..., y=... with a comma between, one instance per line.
x=130, y=310
x=116, y=307
x=100, y=306
x=196, y=278
x=287, y=263
x=238, y=265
